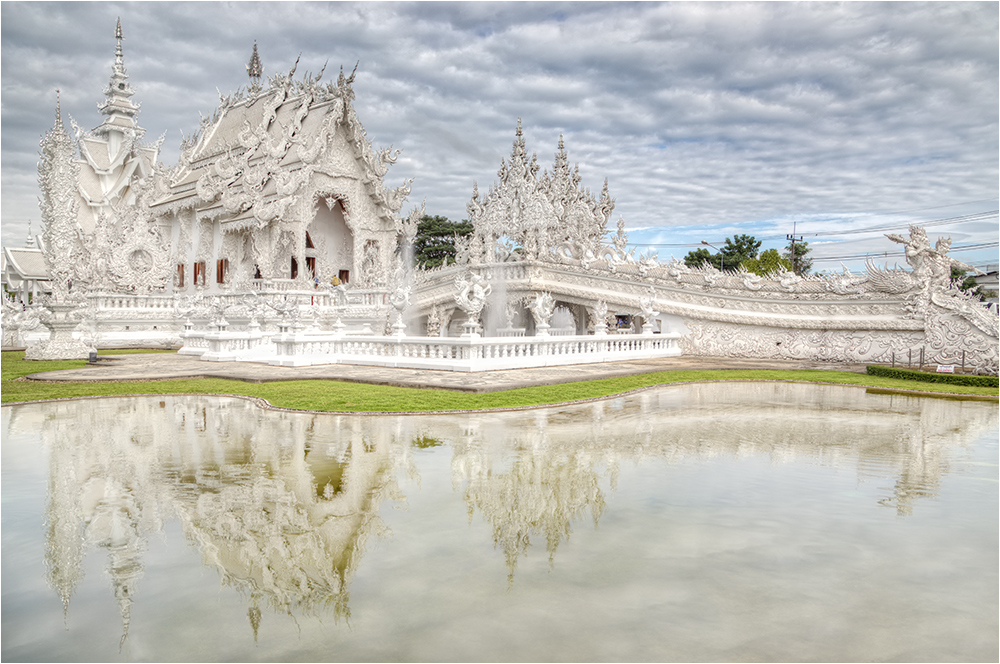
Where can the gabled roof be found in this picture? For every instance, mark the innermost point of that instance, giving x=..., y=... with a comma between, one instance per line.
x=90, y=186
x=25, y=262
x=277, y=137
x=95, y=151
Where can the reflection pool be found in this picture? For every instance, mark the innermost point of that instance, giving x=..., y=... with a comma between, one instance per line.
x=733, y=522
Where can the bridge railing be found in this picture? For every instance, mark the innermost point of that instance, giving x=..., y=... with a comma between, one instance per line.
x=467, y=353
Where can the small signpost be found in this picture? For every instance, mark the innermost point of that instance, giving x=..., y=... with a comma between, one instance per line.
x=946, y=368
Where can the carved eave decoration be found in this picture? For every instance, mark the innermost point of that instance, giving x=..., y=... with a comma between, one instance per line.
x=550, y=217
x=579, y=214
x=260, y=172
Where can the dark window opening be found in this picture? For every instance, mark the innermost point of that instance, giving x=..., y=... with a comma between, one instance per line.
x=295, y=268
x=311, y=266
x=344, y=276
x=221, y=270
x=309, y=241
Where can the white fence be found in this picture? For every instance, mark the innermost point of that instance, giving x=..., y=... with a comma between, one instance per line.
x=301, y=348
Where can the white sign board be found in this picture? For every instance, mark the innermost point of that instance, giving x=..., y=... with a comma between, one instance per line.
x=946, y=368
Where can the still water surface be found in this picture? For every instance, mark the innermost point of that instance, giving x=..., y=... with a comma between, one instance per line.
x=702, y=522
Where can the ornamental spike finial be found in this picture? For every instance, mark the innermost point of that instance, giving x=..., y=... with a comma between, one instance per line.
x=119, y=38
x=255, y=69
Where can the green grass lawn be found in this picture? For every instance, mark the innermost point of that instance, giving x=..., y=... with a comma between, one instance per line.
x=327, y=395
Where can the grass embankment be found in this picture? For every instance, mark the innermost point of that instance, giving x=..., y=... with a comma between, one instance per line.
x=328, y=395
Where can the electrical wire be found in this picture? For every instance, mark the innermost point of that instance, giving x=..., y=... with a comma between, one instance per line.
x=900, y=252
x=978, y=216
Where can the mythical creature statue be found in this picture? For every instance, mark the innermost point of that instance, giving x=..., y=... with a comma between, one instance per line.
x=599, y=317
x=471, y=293
x=18, y=318
x=286, y=308
x=400, y=299
x=434, y=322
x=931, y=273
x=931, y=265
x=844, y=283
x=510, y=312
x=542, y=308
x=338, y=292
x=649, y=312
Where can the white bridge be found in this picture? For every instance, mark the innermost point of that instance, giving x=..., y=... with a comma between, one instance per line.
x=471, y=353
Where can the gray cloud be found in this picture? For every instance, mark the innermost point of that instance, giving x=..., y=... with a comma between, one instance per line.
x=717, y=115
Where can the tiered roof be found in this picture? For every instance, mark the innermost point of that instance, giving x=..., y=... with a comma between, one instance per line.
x=250, y=163
x=113, y=148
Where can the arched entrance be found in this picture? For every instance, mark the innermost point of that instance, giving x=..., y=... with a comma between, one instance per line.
x=330, y=242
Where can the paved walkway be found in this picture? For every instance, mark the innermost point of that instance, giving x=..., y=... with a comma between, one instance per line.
x=156, y=366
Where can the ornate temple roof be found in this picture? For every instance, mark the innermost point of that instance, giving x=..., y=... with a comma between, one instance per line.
x=252, y=160
x=112, y=155
x=536, y=212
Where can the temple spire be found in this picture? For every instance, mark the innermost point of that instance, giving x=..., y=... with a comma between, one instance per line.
x=119, y=38
x=118, y=106
x=254, y=68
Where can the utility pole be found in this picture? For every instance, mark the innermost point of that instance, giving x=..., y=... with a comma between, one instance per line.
x=793, y=238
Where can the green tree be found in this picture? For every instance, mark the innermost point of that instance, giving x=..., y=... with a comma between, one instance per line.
x=739, y=249
x=969, y=284
x=766, y=263
x=800, y=264
x=434, y=244
x=734, y=252
x=701, y=255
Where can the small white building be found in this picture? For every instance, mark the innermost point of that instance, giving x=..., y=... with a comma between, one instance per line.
x=989, y=282
x=25, y=276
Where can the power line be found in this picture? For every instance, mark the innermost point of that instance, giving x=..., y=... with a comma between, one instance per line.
x=899, y=252
x=924, y=224
x=979, y=216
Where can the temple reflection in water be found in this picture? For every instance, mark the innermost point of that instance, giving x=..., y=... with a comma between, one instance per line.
x=281, y=504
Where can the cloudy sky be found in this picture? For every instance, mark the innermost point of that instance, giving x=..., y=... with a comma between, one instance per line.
x=707, y=119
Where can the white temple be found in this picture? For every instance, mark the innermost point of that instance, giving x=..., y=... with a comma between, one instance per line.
x=275, y=239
